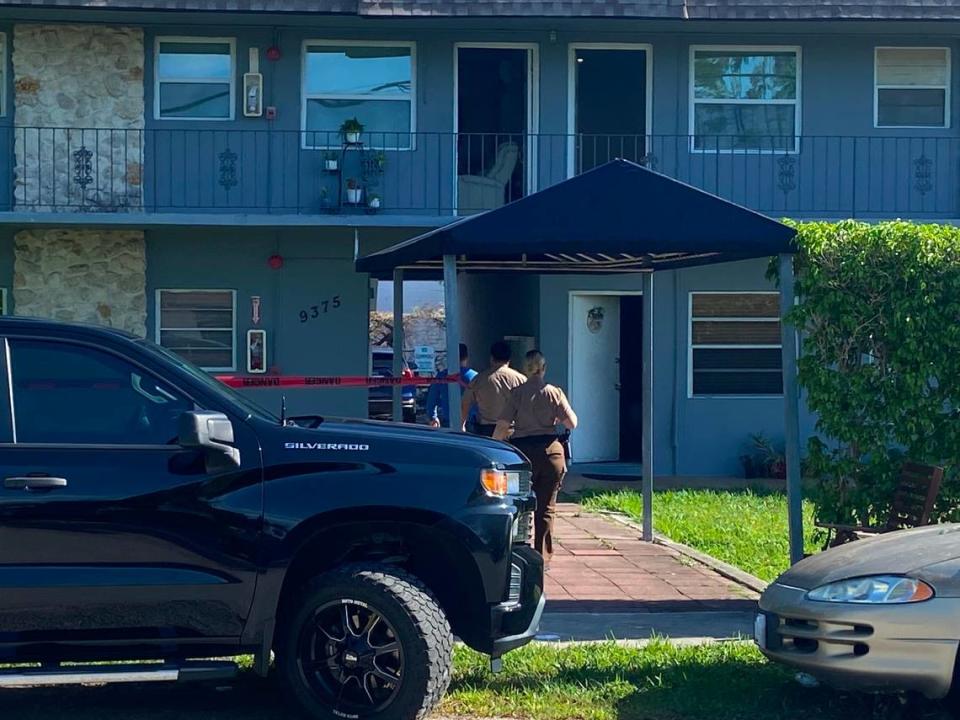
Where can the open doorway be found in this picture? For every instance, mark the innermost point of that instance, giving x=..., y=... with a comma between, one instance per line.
x=494, y=115
x=606, y=359
x=609, y=104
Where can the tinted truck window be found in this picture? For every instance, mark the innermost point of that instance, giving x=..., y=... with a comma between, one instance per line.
x=66, y=393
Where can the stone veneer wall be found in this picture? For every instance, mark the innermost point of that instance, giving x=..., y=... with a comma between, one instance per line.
x=94, y=276
x=79, y=117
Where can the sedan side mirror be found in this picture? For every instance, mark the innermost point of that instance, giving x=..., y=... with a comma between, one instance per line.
x=210, y=430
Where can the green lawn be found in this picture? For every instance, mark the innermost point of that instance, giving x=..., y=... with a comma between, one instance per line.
x=744, y=528
x=657, y=682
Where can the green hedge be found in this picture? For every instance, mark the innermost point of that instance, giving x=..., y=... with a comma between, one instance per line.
x=879, y=307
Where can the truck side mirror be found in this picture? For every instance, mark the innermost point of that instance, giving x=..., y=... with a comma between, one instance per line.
x=209, y=430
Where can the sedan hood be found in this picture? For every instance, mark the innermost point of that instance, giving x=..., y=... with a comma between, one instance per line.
x=898, y=553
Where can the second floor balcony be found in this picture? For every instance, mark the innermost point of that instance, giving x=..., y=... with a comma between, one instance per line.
x=445, y=174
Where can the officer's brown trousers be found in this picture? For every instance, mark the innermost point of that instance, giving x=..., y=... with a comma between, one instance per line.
x=549, y=466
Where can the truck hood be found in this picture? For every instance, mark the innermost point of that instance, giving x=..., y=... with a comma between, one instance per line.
x=906, y=552
x=395, y=441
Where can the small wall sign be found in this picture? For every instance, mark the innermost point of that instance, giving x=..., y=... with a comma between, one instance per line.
x=255, y=309
x=256, y=352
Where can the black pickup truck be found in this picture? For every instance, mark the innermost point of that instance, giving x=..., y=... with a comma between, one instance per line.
x=149, y=513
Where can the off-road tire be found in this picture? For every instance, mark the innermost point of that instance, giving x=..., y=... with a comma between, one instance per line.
x=421, y=629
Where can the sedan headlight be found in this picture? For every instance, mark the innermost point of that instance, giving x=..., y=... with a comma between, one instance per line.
x=500, y=482
x=874, y=590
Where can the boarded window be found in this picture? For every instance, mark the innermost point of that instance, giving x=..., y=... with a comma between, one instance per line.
x=198, y=325
x=735, y=344
x=912, y=87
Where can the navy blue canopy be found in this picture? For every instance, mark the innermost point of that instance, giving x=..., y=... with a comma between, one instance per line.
x=619, y=217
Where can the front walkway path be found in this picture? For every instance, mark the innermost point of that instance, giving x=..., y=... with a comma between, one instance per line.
x=601, y=566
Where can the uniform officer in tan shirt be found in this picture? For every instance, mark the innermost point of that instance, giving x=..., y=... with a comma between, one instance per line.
x=535, y=409
x=489, y=390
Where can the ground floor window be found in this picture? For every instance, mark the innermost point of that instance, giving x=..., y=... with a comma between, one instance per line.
x=735, y=344
x=199, y=325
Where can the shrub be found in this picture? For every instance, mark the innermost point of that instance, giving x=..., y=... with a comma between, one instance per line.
x=879, y=310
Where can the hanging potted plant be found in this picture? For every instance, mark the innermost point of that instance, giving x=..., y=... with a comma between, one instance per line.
x=351, y=130
x=373, y=202
x=331, y=162
x=354, y=192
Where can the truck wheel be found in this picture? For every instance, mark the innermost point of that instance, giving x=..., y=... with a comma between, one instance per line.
x=365, y=641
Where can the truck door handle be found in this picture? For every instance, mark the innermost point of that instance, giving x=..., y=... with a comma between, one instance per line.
x=34, y=482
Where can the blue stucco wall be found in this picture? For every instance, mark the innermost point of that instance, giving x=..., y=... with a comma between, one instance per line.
x=693, y=435
x=317, y=265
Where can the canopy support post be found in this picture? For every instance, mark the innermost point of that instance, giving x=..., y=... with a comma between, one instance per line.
x=398, y=341
x=791, y=410
x=451, y=304
x=647, y=410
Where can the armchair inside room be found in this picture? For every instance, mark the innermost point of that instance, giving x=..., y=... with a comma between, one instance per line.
x=476, y=193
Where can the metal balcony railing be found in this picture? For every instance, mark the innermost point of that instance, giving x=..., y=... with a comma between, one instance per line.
x=442, y=174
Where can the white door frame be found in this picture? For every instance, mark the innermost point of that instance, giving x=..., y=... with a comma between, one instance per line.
x=571, y=295
x=572, y=93
x=533, y=108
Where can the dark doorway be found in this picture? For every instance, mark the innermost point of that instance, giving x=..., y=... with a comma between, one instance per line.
x=610, y=106
x=493, y=92
x=631, y=378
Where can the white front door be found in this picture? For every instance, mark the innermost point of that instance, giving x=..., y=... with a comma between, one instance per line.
x=595, y=376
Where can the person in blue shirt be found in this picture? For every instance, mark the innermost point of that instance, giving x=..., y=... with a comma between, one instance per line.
x=438, y=397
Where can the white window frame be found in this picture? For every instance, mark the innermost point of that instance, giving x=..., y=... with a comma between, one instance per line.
x=158, y=315
x=305, y=96
x=194, y=40
x=693, y=101
x=691, y=347
x=572, y=92
x=877, y=87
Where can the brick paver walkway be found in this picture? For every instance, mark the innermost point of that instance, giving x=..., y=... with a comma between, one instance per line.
x=600, y=565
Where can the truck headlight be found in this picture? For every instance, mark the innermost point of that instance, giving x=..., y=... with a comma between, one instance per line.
x=500, y=482
x=873, y=590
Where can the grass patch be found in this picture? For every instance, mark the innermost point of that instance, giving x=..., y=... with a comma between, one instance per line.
x=742, y=527
x=660, y=681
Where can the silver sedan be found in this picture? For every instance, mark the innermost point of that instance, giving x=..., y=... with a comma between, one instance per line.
x=878, y=615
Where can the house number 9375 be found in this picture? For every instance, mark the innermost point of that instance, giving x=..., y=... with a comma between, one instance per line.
x=321, y=308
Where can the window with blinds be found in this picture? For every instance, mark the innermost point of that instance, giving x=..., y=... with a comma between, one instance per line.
x=912, y=87
x=199, y=325
x=735, y=344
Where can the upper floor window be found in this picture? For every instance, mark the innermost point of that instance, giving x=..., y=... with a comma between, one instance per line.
x=744, y=99
x=194, y=78
x=735, y=344
x=199, y=325
x=912, y=87
x=371, y=82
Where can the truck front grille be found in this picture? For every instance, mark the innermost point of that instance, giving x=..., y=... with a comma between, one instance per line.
x=523, y=531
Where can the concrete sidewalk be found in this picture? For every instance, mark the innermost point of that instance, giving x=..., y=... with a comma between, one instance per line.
x=686, y=628
x=602, y=567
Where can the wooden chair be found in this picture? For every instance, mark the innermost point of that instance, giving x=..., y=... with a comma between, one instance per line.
x=913, y=501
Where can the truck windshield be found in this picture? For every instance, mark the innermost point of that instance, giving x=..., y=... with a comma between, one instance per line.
x=213, y=385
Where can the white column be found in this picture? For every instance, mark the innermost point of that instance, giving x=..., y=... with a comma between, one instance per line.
x=397, y=343
x=647, y=406
x=791, y=410
x=451, y=304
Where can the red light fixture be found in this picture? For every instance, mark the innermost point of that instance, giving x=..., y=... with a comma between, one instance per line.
x=273, y=53
x=275, y=262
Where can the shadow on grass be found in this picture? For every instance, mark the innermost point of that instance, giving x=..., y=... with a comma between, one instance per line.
x=729, y=690
x=246, y=698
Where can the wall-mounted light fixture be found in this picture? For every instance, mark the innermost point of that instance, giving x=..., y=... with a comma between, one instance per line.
x=253, y=87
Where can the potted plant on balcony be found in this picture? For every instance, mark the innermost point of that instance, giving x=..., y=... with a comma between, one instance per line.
x=373, y=202
x=331, y=162
x=351, y=131
x=354, y=192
